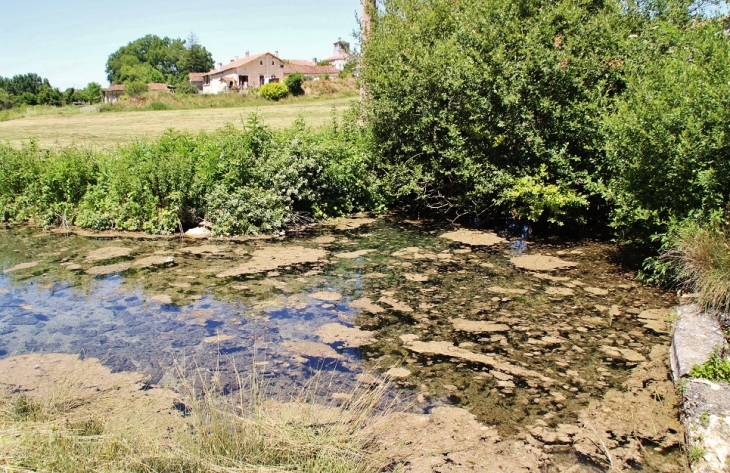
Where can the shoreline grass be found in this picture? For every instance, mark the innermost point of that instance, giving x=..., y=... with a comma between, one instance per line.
x=78, y=431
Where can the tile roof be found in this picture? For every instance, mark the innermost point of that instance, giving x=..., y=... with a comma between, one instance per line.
x=196, y=76
x=309, y=70
x=115, y=88
x=240, y=62
x=336, y=57
x=156, y=86
x=299, y=62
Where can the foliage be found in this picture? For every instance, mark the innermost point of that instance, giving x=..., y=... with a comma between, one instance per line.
x=698, y=257
x=716, y=368
x=245, y=180
x=186, y=88
x=154, y=59
x=135, y=87
x=668, y=150
x=75, y=431
x=6, y=100
x=273, y=91
x=293, y=83
x=601, y=112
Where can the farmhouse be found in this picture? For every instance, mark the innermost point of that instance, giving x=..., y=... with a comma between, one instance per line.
x=240, y=74
x=340, y=56
x=114, y=92
x=196, y=78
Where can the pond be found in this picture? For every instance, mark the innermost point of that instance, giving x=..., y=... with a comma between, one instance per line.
x=524, y=335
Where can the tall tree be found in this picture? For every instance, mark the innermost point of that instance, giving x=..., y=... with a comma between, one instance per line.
x=155, y=59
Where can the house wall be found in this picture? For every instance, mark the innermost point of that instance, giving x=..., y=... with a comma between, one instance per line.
x=260, y=66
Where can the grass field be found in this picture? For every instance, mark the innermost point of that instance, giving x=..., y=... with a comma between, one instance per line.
x=106, y=129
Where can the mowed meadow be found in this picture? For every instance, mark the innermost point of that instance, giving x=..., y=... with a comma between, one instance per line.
x=108, y=129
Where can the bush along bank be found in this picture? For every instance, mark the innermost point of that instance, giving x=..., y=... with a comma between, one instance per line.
x=243, y=180
x=603, y=112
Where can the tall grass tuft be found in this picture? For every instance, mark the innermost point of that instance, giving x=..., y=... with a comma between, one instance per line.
x=701, y=260
x=71, y=431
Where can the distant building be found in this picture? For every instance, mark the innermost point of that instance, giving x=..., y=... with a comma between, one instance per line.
x=196, y=78
x=340, y=56
x=240, y=74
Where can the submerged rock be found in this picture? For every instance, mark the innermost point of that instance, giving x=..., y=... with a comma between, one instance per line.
x=478, y=326
x=329, y=296
x=474, y=237
x=108, y=269
x=313, y=350
x=198, y=232
x=448, y=349
x=353, y=254
x=366, y=305
x=109, y=252
x=273, y=257
x=353, y=337
x=20, y=266
x=541, y=263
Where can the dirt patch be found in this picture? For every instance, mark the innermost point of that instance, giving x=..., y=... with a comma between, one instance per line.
x=474, y=237
x=109, y=252
x=352, y=336
x=541, y=263
x=20, y=266
x=273, y=257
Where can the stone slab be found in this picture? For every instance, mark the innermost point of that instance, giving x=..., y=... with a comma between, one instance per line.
x=696, y=334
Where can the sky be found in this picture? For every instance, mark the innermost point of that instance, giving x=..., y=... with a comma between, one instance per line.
x=69, y=41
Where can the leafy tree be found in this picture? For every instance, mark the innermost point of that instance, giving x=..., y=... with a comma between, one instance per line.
x=6, y=100
x=92, y=92
x=155, y=59
x=293, y=82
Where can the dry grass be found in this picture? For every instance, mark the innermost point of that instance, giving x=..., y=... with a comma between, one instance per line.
x=78, y=430
x=702, y=261
x=108, y=129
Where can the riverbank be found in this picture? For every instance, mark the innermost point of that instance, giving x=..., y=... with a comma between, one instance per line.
x=705, y=404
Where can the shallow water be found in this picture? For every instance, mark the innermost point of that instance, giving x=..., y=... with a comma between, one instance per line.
x=557, y=339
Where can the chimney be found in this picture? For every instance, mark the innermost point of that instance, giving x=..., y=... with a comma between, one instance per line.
x=246, y=53
x=276, y=53
x=220, y=65
x=314, y=60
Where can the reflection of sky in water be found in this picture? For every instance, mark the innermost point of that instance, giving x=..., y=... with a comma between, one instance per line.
x=127, y=332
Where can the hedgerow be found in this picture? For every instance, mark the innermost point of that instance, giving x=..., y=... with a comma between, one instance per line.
x=243, y=180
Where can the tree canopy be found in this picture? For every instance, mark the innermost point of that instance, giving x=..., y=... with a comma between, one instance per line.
x=155, y=59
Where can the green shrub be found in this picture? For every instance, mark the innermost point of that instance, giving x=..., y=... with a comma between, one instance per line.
x=293, y=83
x=273, y=91
x=157, y=106
x=716, y=368
x=135, y=87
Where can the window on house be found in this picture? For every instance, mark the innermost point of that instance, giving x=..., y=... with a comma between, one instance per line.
x=206, y=80
x=272, y=63
x=261, y=63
